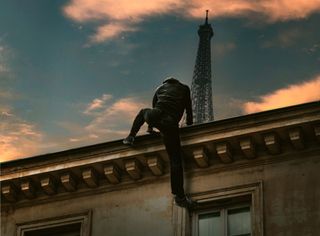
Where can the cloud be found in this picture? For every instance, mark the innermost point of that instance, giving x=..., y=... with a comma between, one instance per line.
x=106, y=119
x=313, y=49
x=116, y=17
x=284, y=39
x=271, y=10
x=121, y=10
x=97, y=103
x=110, y=119
x=293, y=36
x=291, y=95
x=18, y=138
x=290, y=9
x=109, y=31
x=220, y=49
x=115, y=118
x=226, y=106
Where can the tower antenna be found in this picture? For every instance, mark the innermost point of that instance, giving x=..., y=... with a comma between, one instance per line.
x=207, y=11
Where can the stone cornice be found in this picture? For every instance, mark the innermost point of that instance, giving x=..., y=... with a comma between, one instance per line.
x=219, y=145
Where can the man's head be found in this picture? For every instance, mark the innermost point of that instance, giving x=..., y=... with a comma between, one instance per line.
x=170, y=79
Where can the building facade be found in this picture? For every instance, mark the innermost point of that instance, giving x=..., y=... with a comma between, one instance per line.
x=251, y=175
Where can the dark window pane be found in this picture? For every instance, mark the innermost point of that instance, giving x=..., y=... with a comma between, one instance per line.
x=239, y=222
x=64, y=230
x=210, y=224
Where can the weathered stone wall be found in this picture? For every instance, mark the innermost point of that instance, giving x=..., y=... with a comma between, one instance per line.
x=144, y=210
x=291, y=193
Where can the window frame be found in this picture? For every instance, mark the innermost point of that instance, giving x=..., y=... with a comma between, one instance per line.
x=223, y=210
x=84, y=218
x=183, y=220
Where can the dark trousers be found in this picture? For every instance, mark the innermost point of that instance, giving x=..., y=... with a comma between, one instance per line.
x=169, y=129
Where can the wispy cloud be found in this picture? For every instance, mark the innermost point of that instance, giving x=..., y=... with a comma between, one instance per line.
x=116, y=17
x=293, y=94
x=18, y=138
x=117, y=117
x=220, y=49
x=226, y=106
x=284, y=39
x=110, y=119
x=271, y=10
x=111, y=30
x=97, y=103
x=313, y=49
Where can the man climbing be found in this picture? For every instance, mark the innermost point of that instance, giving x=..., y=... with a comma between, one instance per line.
x=169, y=102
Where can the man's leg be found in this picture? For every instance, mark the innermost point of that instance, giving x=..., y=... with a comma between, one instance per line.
x=137, y=123
x=151, y=116
x=171, y=141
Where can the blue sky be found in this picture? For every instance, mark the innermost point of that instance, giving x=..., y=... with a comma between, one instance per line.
x=75, y=72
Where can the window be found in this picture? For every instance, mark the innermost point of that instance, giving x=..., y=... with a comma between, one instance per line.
x=229, y=211
x=64, y=230
x=232, y=221
x=71, y=225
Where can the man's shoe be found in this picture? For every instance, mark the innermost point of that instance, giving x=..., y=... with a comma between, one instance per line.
x=128, y=140
x=185, y=202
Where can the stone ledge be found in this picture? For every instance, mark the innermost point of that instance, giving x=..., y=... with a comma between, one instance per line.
x=131, y=165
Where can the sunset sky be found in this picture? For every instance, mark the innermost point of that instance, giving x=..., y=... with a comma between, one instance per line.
x=75, y=72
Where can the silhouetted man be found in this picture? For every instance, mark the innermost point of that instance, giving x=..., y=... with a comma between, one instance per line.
x=169, y=102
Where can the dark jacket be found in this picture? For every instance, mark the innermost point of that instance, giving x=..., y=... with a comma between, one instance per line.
x=173, y=97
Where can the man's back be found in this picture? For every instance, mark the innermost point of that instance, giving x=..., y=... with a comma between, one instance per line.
x=173, y=97
x=169, y=103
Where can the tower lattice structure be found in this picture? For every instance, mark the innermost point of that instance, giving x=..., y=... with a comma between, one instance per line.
x=201, y=87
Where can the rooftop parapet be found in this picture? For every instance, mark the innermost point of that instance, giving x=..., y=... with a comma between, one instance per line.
x=239, y=142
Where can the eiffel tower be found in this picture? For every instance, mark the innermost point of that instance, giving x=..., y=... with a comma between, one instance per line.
x=201, y=89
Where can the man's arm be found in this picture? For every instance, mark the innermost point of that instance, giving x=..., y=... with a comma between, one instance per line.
x=154, y=100
x=189, y=119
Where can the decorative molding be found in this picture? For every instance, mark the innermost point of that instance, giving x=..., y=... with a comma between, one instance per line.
x=248, y=147
x=296, y=138
x=27, y=188
x=82, y=218
x=155, y=164
x=90, y=177
x=68, y=181
x=200, y=155
x=112, y=173
x=48, y=185
x=181, y=221
x=224, y=152
x=133, y=168
x=272, y=142
x=9, y=192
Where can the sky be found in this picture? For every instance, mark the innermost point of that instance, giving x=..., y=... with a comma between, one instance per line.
x=75, y=72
